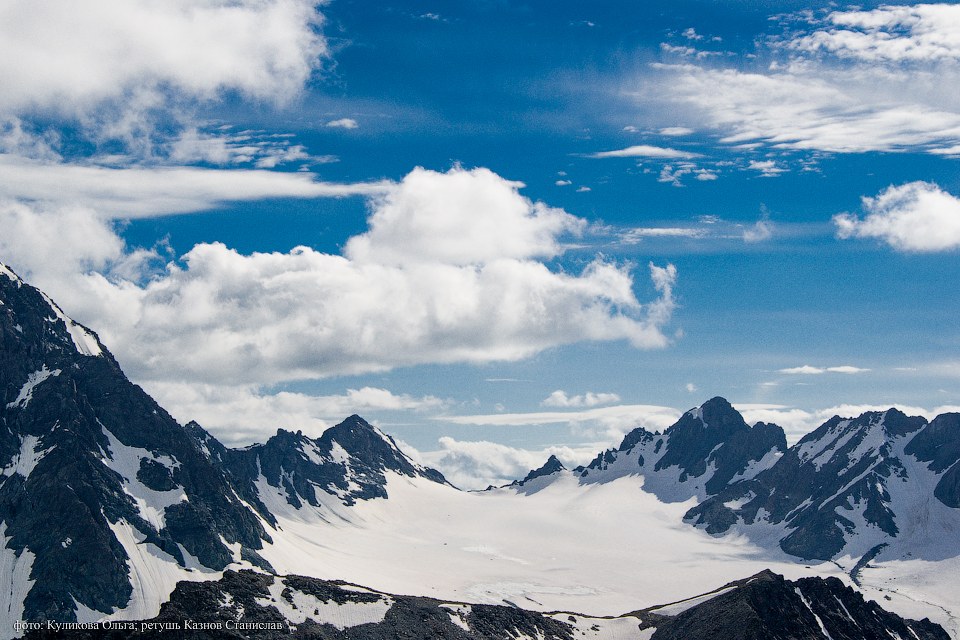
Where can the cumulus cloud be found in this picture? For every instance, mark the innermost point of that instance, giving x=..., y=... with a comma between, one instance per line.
x=128, y=80
x=72, y=56
x=812, y=371
x=460, y=218
x=767, y=168
x=343, y=123
x=559, y=398
x=450, y=270
x=644, y=151
x=917, y=216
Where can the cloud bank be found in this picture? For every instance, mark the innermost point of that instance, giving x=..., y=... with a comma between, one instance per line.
x=451, y=269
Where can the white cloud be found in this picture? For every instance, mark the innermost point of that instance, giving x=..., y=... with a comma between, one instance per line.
x=620, y=418
x=563, y=183
x=691, y=388
x=691, y=34
x=583, y=189
x=343, y=123
x=676, y=131
x=909, y=33
x=767, y=168
x=460, y=218
x=819, y=105
x=142, y=192
x=809, y=370
x=798, y=422
x=917, y=216
x=127, y=80
x=762, y=230
x=448, y=271
x=242, y=414
x=479, y=464
x=633, y=236
x=644, y=151
x=69, y=57
x=262, y=150
x=559, y=398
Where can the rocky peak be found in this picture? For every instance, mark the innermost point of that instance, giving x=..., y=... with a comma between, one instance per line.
x=348, y=461
x=550, y=467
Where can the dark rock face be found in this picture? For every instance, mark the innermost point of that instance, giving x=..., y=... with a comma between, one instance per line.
x=939, y=445
x=707, y=449
x=76, y=438
x=759, y=608
x=767, y=606
x=347, y=461
x=836, y=481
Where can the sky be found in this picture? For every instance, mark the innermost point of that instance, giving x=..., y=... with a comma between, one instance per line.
x=497, y=229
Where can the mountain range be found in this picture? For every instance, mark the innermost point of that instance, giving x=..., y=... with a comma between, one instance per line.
x=109, y=508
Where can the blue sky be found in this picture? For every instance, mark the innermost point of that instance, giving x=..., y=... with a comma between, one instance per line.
x=498, y=229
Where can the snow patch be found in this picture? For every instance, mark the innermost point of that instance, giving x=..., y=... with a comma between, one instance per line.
x=622, y=628
x=755, y=467
x=15, y=582
x=458, y=614
x=153, y=574
x=5, y=270
x=303, y=606
x=309, y=449
x=26, y=391
x=734, y=505
x=28, y=457
x=806, y=603
x=676, y=608
x=85, y=342
x=151, y=504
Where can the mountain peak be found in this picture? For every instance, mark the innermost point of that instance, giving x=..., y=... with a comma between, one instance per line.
x=550, y=467
x=717, y=412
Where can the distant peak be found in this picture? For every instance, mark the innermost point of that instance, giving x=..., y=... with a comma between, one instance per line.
x=355, y=421
x=717, y=403
x=551, y=466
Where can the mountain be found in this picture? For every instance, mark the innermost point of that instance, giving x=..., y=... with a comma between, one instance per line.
x=549, y=468
x=882, y=483
x=99, y=483
x=106, y=501
x=348, y=461
x=879, y=483
x=708, y=448
x=765, y=606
